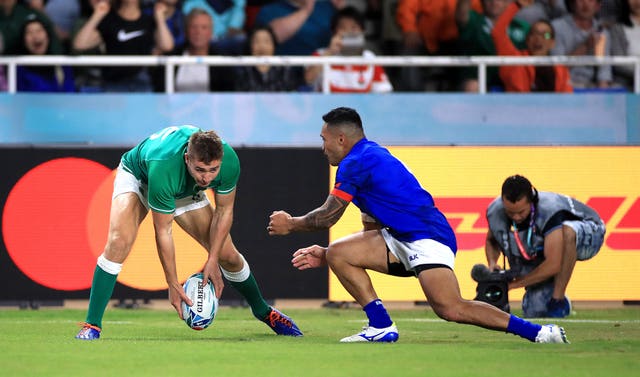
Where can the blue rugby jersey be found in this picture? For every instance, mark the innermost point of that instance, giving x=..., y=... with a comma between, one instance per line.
x=381, y=186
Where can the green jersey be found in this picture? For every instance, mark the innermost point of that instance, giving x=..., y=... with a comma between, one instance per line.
x=158, y=161
x=476, y=40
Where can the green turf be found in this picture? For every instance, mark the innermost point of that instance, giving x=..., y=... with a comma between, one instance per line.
x=146, y=342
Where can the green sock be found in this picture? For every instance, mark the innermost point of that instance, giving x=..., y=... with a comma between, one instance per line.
x=101, y=291
x=250, y=291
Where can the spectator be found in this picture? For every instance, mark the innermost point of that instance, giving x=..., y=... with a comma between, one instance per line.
x=539, y=42
x=475, y=38
x=580, y=33
x=347, y=27
x=228, y=22
x=542, y=10
x=300, y=26
x=35, y=41
x=63, y=14
x=265, y=77
x=88, y=79
x=199, y=77
x=428, y=27
x=174, y=18
x=12, y=18
x=625, y=41
x=610, y=10
x=251, y=11
x=125, y=30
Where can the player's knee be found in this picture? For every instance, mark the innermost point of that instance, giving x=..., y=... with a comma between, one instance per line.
x=232, y=260
x=118, y=247
x=449, y=312
x=335, y=254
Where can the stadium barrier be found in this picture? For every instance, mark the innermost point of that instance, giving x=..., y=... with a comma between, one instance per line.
x=169, y=62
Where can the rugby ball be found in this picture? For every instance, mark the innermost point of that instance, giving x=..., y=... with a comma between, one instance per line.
x=200, y=315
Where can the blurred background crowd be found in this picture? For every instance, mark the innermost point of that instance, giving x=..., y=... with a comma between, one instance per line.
x=320, y=28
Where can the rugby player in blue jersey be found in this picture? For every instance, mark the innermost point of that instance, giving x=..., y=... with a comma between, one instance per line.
x=167, y=174
x=404, y=235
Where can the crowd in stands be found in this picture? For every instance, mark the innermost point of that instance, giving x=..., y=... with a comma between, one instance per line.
x=321, y=28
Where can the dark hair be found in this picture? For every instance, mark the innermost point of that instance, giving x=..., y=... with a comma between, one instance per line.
x=516, y=187
x=254, y=31
x=205, y=146
x=343, y=115
x=32, y=18
x=347, y=12
x=624, y=13
x=570, y=5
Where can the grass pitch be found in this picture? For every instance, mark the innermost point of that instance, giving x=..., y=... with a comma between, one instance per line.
x=145, y=342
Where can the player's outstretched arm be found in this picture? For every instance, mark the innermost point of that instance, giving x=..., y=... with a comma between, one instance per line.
x=162, y=224
x=310, y=257
x=323, y=217
x=218, y=234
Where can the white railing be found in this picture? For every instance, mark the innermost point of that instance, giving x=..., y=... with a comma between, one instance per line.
x=481, y=62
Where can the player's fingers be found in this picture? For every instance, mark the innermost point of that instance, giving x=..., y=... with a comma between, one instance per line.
x=301, y=252
x=178, y=308
x=186, y=299
x=218, y=287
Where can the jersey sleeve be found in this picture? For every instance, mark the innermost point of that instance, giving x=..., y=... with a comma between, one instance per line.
x=352, y=174
x=230, y=171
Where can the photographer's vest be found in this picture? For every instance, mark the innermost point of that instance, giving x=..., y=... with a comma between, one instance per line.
x=548, y=205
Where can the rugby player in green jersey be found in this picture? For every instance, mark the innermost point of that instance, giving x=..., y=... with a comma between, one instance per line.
x=167, y=173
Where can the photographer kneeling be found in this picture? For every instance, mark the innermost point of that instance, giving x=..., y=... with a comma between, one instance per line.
x=542, y=235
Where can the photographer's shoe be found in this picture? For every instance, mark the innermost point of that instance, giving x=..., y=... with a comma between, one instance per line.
x=558, y=308
x=372, y=334
x=551, y=334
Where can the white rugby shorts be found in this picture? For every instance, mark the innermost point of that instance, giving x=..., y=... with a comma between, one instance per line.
x=420, y=252
x=127, y=182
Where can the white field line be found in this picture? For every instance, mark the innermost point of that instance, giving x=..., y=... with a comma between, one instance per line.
x=563, y=320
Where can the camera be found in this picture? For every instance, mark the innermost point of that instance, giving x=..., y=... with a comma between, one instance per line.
x=352, y=44
x=493, y=286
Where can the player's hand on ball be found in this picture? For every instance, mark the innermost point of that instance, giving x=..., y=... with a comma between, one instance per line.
x=279, y=223
x=176, y=296
x=213, y=275
x=310, y=257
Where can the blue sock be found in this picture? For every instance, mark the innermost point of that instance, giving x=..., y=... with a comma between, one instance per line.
x=525, y=329
x=377, y=314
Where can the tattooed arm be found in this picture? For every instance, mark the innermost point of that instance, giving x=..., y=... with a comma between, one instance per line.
x=323, y=217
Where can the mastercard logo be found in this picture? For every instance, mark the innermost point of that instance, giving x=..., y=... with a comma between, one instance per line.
x=55, y=224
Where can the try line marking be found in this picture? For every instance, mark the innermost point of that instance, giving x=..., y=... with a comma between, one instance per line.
x=563, y=320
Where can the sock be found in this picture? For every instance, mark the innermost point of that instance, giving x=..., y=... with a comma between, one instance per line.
x=377, y=314
x=246, y=284
x=101, y=291
x=525, y=329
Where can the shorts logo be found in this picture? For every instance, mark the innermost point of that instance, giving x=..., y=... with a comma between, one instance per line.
x=413, y=257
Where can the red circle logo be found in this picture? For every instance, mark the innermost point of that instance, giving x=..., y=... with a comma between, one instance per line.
x=55, y=225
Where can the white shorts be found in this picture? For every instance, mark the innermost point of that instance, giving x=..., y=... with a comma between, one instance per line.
x=420, y=252
x=127, y=182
